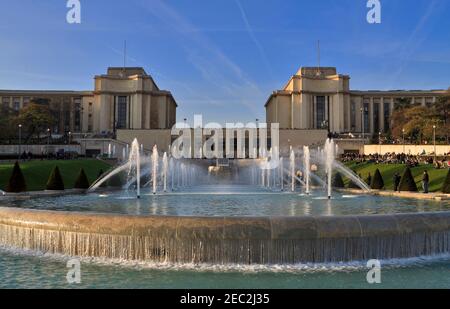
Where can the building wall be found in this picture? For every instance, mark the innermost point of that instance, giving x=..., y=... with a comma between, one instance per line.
x=148, y=138
x=148, y=107
x=296, y=105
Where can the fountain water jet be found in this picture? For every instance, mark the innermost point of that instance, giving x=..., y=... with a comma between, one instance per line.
x=307, y=167
x=329, y=159
x=155, y=162
x=292, y=169
x=135, y=163
x=165, y=168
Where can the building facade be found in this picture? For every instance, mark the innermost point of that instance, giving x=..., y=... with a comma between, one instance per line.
x=320, y=98
x=122, y=99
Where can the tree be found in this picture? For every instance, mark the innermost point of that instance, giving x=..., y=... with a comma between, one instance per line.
x=82, y=181
x=338, y=182
x=7, y=126
x=417, y=122
x=377, y=181
x=446, y=186
x=36, y=118
x=442, y=108
x=402, y=103
x=16, y=182
x=55, y=181
x=407, y=183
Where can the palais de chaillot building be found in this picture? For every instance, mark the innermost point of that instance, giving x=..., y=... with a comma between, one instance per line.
x=127, y=103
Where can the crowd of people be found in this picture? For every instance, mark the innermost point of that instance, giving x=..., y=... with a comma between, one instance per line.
x=397, y=158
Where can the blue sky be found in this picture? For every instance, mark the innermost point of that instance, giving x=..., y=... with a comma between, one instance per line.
x=223, y=58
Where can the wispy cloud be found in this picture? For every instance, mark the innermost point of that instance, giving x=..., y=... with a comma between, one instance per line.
x=228, y=80
x=414, y=40
x=260, y=48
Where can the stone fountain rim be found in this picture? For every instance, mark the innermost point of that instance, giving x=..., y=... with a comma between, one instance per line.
x=228, y=228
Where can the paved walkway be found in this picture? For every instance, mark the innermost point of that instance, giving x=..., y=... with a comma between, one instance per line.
x=415, y=195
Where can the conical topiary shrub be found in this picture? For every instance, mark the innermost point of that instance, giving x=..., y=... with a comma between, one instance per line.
x=16, y=182
x=116, y=181
x=353, y=185
x=377, y=181
x=446, y=186
x=407, y=183
x=369, y=179
x=338, y=182
x=82, y=181
x=100, y=174
x=55, y=181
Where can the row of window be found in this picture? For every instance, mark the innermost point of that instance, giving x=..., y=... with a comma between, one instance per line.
x=6, y=102
x=366, y=116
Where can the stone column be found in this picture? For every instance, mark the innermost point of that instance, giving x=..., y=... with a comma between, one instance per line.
x=371, y=127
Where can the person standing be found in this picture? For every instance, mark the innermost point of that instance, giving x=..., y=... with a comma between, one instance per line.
x=425, y=181
x=397, y=179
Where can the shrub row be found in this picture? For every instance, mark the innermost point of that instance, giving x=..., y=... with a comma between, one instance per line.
x=407, y=182
x=17, y=183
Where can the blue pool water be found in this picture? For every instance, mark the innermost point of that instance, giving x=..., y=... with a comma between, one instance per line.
x=25, y=270
x=231, y=201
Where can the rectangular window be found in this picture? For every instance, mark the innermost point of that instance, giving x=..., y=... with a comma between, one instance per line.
x=366, y=118
x=353, y=116
x=320, y=112
x=5, y=103
x=90, y=123
x=387, y=116
x=121, y=112
x=16, y=104
x=376, y=117
x=77, y=115
x=26, y=101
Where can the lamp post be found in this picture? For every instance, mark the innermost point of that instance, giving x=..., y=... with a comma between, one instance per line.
x=434, y=142
x=363, y=125
x=379, y=141
x=48, y=143
x=20, y=140
x=403, y=137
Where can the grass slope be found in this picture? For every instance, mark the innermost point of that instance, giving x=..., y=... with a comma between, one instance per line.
x=36, y=173
x=437, y=177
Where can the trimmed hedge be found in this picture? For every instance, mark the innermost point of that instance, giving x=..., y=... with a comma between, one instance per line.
x=16, y=182
x=55, y=181
x=407, y=183
x=82, y=181
x=377, y=181
x=446, y=186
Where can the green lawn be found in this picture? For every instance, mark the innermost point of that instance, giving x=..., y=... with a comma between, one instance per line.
x=37, y=172
x=437, y=177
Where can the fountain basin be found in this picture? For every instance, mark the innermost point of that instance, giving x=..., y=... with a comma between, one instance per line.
x=227, y=240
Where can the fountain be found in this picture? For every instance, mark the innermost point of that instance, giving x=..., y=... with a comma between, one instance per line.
x=244, y=219
x=109, y=151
